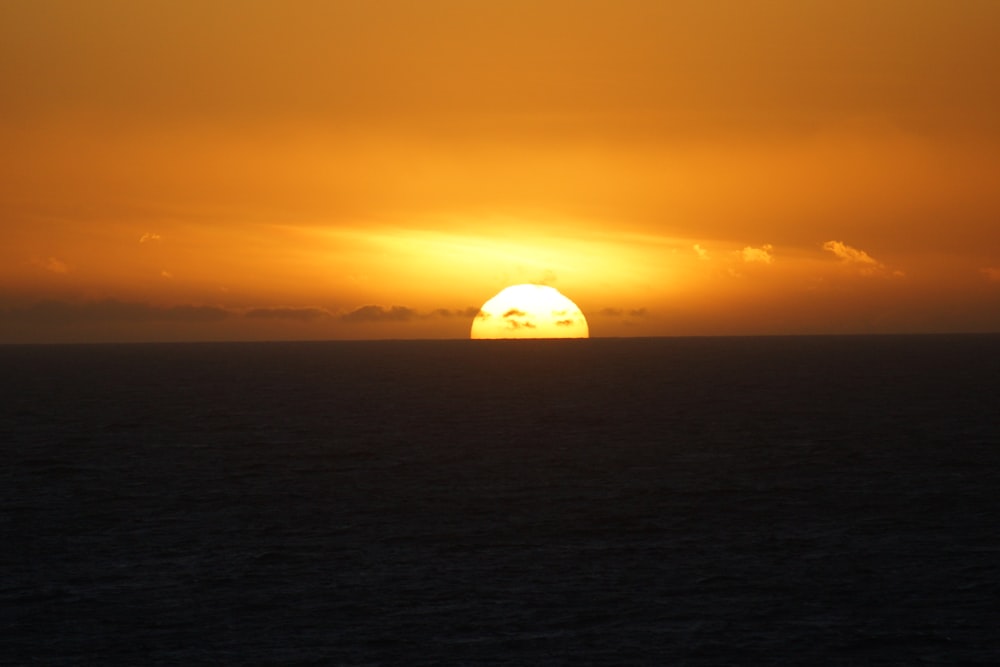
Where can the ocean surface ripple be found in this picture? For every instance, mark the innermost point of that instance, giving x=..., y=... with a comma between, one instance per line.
x=727, y=501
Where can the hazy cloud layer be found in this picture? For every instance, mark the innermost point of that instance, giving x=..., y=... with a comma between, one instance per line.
x=110, y=310
x=992, y=274
x=299, y=314
x=471, y=311
x=61, y=313
x=373, y=313
x=380, y=314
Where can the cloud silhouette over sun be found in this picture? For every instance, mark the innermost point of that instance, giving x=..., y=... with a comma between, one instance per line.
x=530, y=311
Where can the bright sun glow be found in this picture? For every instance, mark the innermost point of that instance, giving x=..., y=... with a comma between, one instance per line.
x=530, y=311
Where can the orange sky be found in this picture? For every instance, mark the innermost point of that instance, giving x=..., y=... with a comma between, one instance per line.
x=239, y=169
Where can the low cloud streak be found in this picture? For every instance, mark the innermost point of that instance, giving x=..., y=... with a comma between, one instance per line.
x=374, y=313
x=110, y=310
x=296, y=314
x=622, y=312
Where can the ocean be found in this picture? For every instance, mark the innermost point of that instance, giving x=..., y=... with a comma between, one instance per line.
x=674, y=501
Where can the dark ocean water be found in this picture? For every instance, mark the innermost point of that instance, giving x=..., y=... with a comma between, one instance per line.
x=619, y=502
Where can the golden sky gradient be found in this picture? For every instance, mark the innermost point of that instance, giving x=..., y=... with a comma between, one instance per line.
x=242, y=169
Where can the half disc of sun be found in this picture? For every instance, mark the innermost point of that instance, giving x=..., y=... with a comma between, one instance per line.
x=530, y=311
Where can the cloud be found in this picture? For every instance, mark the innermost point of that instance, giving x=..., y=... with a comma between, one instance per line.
x=702, y=253
x=111, y=310
x=379, y=314
x=62, y=313
x=548, y=277
x=471, y=311
x=51, y=264
x=514, y=312
x=865, y=263
x=761, y=255
x=849, y=254
x=191, y=313
x=621, y=312
x=150, y=238
x=298, y=314
x=992, y=274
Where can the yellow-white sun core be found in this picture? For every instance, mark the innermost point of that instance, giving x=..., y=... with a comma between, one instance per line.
x=530, y=311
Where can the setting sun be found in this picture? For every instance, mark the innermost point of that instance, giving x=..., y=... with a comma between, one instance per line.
x=529, y=311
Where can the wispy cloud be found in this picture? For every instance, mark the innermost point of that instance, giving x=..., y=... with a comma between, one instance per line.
x=991, y=273
x=850, y=254
x=865, y=263
x=547, y=277
x=701, y=252
x=761, y=255
x=150, y=237
x=51, y=264
x=621, y=312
